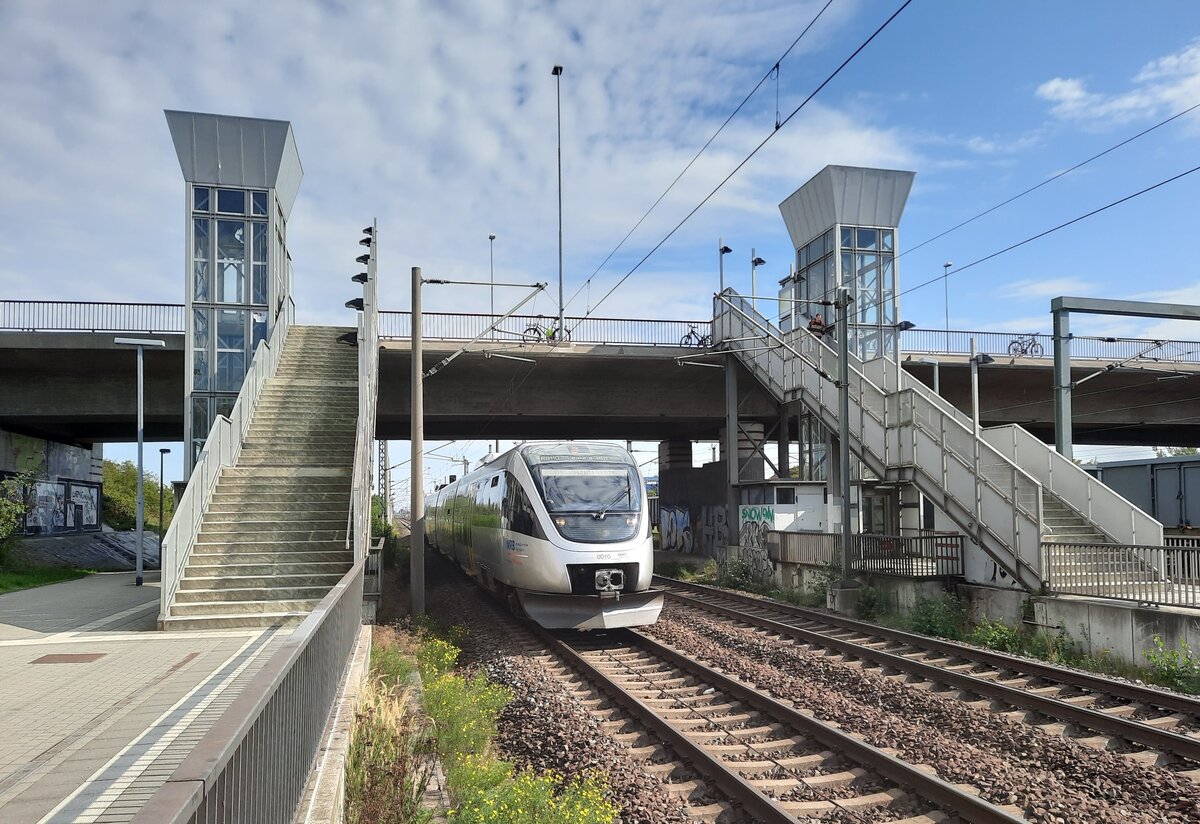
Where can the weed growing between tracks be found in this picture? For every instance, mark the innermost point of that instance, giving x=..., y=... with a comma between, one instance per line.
x=389, y=763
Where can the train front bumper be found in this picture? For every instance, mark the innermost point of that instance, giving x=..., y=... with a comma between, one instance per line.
x=633, y=609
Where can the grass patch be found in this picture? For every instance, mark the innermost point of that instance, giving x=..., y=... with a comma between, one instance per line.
x=393, y=742
x=14, y=579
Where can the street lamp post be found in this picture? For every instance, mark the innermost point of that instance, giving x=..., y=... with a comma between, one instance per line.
x=755, y=262
x=162, y=453
x=843, y=382
x=722, y=251
x=977, y=360
x=557, y=72
x=141, y=344
x=492, y=277
x=937, y=373
x=946, y=286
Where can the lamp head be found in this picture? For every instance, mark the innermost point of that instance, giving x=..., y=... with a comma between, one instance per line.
x=556, y=71
x=361, y=277
x=356, y=304
x=725, y=250
x=492, y=236
x=947, y=264
x=164, y=451
x=365, y=242
x=363, y=259
x=349, y=338
x=757, y=262
x=984, y=358
x=905, y=325
x=370, y=230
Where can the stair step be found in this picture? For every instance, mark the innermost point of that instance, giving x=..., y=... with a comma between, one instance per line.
x=241, y=621
x=237, y=536
x=326, y=580
x=268, y=568
x=268, y=593
x=243, y=607
x=256, y=510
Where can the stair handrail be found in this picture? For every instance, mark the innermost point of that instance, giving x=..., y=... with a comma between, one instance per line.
x=221, y=449
x=825, y=363
x=1117, y=517
x=358, y=518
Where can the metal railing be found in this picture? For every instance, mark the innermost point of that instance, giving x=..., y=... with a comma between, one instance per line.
x=923, y=556
x=253, y=764
x=955, y=342
x=373, y=572
x=90, y=316
x=992, y=499
x=1098, y=503
x=1182, y=540
x=358, y=526
x=1166, y=575
x=519, y=329
x=221, y=449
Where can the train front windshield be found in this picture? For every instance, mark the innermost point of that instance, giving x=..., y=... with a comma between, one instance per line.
x=589, y=488
x=592, y=492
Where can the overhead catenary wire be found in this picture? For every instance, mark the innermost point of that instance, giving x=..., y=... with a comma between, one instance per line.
x=1051, y=179
x=829, y=79
x=773, y=70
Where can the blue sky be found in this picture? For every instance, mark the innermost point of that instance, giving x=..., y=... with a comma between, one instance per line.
x=438, y=118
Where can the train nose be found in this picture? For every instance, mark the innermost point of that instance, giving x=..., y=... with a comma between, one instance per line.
x=610, y=580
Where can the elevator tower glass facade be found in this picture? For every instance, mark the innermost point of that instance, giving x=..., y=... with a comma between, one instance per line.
x=242, y=175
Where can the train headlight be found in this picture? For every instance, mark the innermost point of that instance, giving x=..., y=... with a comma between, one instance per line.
x=631, y=520
x=560, y=522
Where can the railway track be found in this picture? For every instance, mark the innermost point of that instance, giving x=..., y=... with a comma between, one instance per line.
x=734, y=753
x=1147, y=725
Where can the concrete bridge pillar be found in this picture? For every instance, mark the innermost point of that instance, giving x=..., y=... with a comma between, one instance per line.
x=910, y=510
x=674, y=454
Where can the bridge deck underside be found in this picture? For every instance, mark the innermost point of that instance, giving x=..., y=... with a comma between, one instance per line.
x=81, y=387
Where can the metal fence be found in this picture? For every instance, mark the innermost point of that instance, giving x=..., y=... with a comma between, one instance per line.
x=923, y=556
x=1182, y=540
x=520, y=329
x=1167, y=575
x=941, y=342
x=255, y=761
x=82, y=316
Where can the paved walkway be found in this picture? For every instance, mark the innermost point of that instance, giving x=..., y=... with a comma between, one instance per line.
x=97, y=708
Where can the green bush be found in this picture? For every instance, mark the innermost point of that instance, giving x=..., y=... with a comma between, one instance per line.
x=869, y=604
x=737, y=574
x=997, y=635
x=525, y=798
x=464, y=713
x=945, y=617
x=1178, y=669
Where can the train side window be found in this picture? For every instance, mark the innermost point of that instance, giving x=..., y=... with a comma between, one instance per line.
x=519, y=512
x=495, y=480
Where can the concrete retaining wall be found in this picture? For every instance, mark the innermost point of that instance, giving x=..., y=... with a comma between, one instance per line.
x=1126, y=630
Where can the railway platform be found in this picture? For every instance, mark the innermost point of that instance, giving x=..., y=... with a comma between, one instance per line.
x=98, y=707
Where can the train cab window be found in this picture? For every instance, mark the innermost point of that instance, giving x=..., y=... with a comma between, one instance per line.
x=495, y=480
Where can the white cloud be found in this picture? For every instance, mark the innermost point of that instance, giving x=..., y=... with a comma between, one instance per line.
x=1164, y=85
x=1036, y=289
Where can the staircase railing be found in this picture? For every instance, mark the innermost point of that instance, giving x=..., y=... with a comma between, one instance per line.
x=899, y=434
x=358, y=526
x=221, y=449
x=1112, y=514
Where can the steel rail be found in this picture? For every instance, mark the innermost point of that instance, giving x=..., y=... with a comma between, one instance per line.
x=929, y=786
x=755, y=802
x=1095, y=683
x=1136, y=732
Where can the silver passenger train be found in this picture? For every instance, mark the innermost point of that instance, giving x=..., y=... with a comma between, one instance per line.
x=559, y=530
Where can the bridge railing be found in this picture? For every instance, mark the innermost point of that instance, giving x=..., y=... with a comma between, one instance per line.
x=253, y=764
x=221, y=449
x=908, y=556
x=358, y=527
x=532, y=328
x=90, y=316
x=954, y=342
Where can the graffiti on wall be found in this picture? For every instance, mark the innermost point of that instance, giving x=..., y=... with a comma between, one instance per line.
x=754, y=522
x=713, y=534
x=675, y=528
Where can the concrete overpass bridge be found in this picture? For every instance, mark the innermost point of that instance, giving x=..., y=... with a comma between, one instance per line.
x=63, y=378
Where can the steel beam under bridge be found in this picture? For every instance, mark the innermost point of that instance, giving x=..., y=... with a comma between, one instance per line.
x=1061, y=309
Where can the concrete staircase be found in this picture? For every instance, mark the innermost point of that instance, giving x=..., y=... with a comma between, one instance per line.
x=1083, y=560
x=273, y=541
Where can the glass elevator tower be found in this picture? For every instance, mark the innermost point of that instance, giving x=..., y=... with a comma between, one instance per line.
x=242, y=175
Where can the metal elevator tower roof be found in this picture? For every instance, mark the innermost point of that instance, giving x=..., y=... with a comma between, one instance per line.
x=849, y=195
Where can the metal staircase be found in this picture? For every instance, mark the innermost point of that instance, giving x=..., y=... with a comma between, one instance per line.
x=1006, y=490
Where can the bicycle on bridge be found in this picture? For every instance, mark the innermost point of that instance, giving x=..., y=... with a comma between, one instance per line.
x=1025, y=345
x=550, y=333
x=694, y=338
